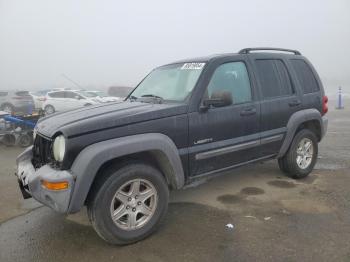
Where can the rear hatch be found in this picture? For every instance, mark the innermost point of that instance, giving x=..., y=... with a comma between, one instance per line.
x=22, y=97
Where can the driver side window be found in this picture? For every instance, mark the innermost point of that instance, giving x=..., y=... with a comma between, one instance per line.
x=232, y=78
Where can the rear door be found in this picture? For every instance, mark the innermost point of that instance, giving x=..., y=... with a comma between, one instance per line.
x=57, y=100
x=223, y=137
x=309, y=83
x=279, y=100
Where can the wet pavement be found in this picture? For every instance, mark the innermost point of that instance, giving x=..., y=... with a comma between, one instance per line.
x=274, y=218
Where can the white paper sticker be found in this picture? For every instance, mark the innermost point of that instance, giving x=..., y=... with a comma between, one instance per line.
x=192, y=66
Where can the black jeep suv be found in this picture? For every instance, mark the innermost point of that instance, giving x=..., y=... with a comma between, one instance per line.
x=185, y=120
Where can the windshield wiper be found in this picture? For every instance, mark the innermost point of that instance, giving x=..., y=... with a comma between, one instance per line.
x=150, y=95
x=132, y=98
x=159, y=99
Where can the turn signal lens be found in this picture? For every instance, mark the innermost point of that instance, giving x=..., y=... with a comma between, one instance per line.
x=55, y=185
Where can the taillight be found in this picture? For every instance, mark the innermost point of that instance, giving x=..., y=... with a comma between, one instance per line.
x=324, y=105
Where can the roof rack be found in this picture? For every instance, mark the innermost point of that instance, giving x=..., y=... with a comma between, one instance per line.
x=248, y=50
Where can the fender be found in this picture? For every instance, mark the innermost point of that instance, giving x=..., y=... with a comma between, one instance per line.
x=296, y=120
x=90, y=159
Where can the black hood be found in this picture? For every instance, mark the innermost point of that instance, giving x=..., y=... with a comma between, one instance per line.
x=105, y=116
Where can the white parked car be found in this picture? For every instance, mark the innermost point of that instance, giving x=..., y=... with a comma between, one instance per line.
x=103, y=97
x=39, y=98
x=57, y=101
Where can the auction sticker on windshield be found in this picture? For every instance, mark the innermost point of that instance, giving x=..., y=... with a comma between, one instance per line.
x=192, y=66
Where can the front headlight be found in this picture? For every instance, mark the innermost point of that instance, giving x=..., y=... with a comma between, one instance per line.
x=34, y=134
x=59, y=148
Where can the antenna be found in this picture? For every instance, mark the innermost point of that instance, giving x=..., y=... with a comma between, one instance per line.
x=72, y=81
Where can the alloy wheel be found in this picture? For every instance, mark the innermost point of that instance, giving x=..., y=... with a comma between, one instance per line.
x=134, y=204
x=305, y=152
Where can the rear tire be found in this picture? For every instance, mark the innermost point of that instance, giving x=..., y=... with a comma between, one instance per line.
x=120, y=199
x=25, y=140
x=281, y=165
x=49, y=109
x=9, y=140
x=301, y=157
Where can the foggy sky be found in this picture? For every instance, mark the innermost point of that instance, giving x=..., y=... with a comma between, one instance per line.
x=103, y=43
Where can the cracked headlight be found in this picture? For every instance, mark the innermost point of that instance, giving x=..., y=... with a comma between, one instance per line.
x=59, y=148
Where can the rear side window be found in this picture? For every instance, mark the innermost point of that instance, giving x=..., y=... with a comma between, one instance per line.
x=274, y=78
x=305, y=76
x=56, y=94
x=3, y=93
x=70, y=95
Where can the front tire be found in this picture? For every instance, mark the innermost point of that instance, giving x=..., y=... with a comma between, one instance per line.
x=301, y=157
x=128, y=204
x=8, y=108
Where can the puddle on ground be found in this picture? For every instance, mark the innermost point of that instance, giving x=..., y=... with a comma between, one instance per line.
x=229, y=199
x=281, y=184
x=252, y=191
x=234, y=199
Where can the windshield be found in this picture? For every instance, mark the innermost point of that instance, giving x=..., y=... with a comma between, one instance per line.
x=86, y=94
x=172, y=82
x=98, y=93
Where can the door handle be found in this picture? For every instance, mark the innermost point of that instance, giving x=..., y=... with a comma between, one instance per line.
x=294, y=103
x=248, y=111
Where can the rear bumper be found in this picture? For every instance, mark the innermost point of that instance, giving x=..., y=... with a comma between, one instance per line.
x=30, y=182
x=324, y=126
x=24, y=108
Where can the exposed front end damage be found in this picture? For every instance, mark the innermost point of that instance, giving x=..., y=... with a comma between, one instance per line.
x=32, y=180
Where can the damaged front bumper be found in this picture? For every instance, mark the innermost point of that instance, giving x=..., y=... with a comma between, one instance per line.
x=31, y=179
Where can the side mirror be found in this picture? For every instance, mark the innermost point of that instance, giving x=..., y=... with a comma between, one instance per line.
x=77, y=97
x=217, y=99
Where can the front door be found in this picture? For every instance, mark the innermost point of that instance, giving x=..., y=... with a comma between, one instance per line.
x=222, y=137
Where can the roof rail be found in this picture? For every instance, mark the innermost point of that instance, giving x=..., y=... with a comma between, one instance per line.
x=248, y=50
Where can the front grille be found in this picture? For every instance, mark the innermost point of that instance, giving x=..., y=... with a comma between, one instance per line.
x=42, y=151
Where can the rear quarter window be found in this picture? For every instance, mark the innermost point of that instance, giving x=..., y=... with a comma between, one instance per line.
x=305, y=76
x=56, y=94
x=274, y=78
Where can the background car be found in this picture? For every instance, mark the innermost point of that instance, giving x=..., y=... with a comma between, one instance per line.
x=16, y=102
x=57, y=101
x=39, y=97
x=103, y=97
x=119, y=91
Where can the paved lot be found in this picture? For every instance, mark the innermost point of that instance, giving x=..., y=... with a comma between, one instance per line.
x=274, y=218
